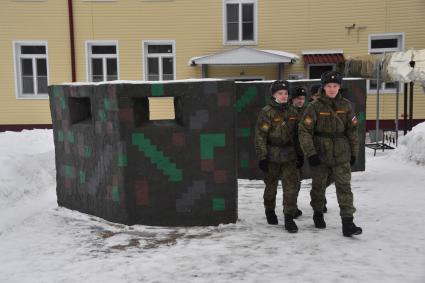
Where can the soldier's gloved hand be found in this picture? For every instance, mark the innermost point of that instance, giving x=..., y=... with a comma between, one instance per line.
x=263, y=165
x=352, y=160
x=300, y=161
x=314, y=160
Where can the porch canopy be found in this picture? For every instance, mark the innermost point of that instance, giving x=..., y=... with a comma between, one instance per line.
x=244, y=56
x=323, y=57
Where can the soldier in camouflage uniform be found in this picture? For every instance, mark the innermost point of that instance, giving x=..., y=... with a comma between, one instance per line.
x=328, y=137
x=275, y=147
x=315, y=91
x=298, y=102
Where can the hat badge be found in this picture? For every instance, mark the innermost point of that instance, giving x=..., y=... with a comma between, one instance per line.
x=333, y=77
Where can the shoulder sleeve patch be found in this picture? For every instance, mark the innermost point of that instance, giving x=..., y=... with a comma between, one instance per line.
x=265, y=127
x=307, y=120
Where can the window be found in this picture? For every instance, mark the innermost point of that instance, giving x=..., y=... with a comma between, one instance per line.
x=31, y=69
x=316, y=71
x=384, y=43
x=240, y=21
x=102, y=61
x=159, y=60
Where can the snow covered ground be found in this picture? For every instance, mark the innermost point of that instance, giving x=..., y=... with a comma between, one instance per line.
x=41, y=242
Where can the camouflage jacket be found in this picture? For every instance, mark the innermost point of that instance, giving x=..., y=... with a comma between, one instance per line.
x=275, y=133
x=329, y=128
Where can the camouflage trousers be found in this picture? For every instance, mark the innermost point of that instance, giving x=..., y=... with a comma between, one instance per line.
x=329, y=180
x=289, y=175
x=321, y=176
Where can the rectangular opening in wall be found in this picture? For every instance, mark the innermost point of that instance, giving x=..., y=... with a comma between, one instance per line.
x=80, y=110
x=161, y=108
x=158, y=110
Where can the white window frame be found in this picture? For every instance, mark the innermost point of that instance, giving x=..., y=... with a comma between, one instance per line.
x=240, y=41
x=16, y=45
x=89, y=56
x=145, y=56
x=401, y=38
x=324, y=64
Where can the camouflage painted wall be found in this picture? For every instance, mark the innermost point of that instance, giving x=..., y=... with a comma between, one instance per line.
x=252, y=96
x=113, y=162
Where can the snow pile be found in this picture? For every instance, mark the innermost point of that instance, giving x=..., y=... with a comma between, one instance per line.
x=27, y=163
x=412, y=146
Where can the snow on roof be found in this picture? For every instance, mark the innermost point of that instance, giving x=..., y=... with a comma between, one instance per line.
x=140, y=82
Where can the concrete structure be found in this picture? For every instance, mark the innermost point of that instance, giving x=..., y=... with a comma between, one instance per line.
x=113, y=161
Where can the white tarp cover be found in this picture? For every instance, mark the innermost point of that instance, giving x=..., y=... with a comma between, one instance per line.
x=399, y=68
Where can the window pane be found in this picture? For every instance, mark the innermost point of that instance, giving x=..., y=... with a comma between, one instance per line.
x=27, y=85
x=167, y=69
x=248, y=12
x=232, y=31
x=111, y=77
x=33, y=49
x=232, y=13
x=42, y=84
x=111, y=67
x=384, y=43
x=164, y=48
x=26, y=66
x=97, y=67
x=248, y=31
x=153, y=69
x=390, y=85
x=41, y=67
x=372, y=84
x=97, y=78
x=153, y=77
x=167, y=77
x=104, y=49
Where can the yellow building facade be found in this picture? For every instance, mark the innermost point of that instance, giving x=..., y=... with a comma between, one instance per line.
x=163, y=39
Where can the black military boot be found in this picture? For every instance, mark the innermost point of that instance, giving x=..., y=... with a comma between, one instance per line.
x=319, y=221
x=290, y=224
x=349, y=228
x=271, y=217
x=298, y=213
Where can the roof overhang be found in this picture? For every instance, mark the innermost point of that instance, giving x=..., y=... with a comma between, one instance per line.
x=245, y=56
x=323, y=56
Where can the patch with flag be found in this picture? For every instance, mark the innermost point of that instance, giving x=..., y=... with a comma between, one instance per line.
x=354, y=120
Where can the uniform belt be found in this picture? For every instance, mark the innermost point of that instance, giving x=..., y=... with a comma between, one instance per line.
x=279, y=144
x=329, y=135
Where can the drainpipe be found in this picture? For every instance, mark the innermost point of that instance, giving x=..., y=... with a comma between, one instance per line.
x=71, y=39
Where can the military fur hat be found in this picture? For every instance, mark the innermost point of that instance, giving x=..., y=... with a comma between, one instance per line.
x=299, y=91
x=278, y=85
x=314, y=89
x=331, y=77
